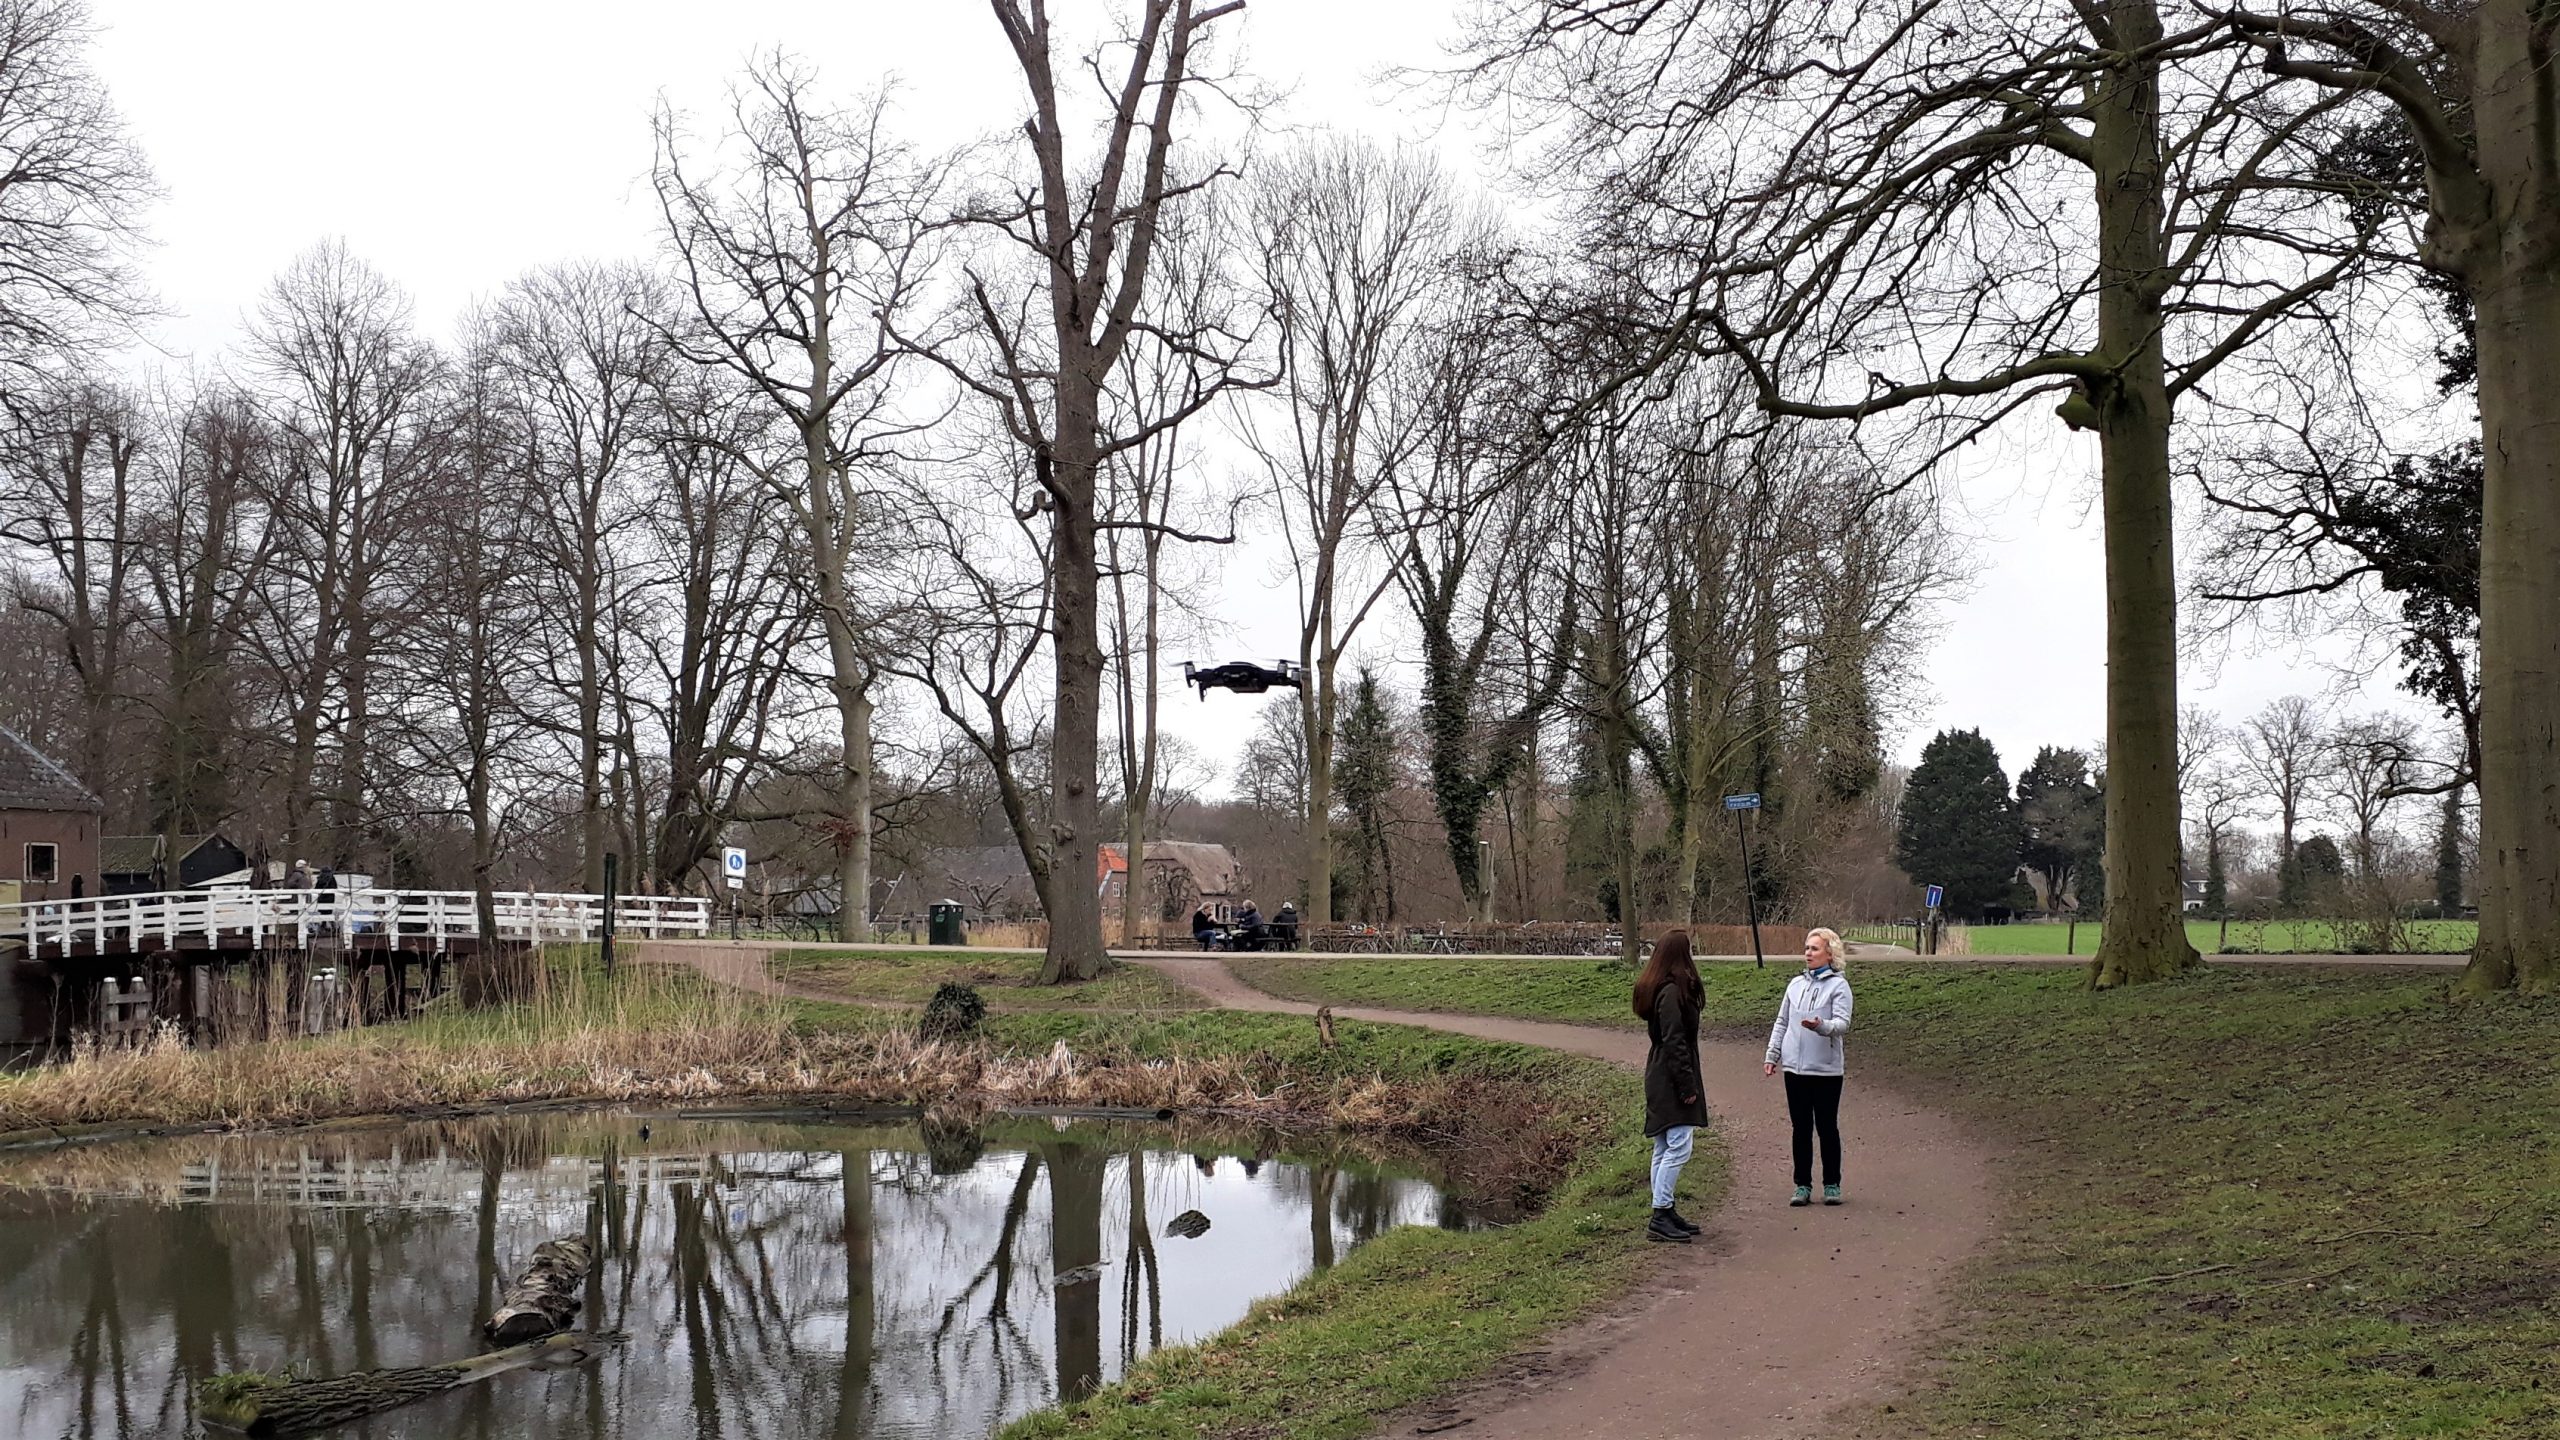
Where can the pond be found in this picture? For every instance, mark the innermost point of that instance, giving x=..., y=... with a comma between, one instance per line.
x=773, y=1277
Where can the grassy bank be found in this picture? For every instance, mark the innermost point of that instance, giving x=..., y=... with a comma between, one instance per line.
x=1417, y=1310
x=2245, y=1203
x=1006, y=978
x=2212, y=937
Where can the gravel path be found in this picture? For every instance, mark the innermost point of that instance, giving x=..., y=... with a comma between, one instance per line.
x=1777, y=1323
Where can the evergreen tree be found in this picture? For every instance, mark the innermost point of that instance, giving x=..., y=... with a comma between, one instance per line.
x=2319, y=873
x=2062, y=818
x=1958, y=827
x=1364, y=776
x=2217, y=884
x=2449, y=856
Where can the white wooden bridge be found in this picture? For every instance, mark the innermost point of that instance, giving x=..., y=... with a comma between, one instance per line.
x=428, y=921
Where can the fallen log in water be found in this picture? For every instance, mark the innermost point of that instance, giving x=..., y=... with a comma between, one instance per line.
x=281, y=1405
x=545, y=1297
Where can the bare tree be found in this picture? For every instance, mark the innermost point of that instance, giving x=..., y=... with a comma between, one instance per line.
x=798, y=259
x=2217, y=791
x=72, y=186
x=582, y=349
x=2371, y=764
x=730, y=616
x=2283, y=749
x=1141, y=552
x=204, y=557
x=72, y=497
x=345, y=382
x=1355, y=248
x=1085, y=232
x=1474, y=540
x=2471, y=83
x=2003, y=204
x=471, y=731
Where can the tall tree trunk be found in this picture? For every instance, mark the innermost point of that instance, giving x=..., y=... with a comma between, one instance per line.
x=1762, y=873
x=1138, y=718
x=1532, y=829
x=2519, y=328
x=355, y=737
x=1075, y=818
x=1316, y=709
x=2146, y=934
x=591, y=796
x=853, y=799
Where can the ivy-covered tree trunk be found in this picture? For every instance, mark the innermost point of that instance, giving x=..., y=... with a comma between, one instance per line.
x=2449, y=856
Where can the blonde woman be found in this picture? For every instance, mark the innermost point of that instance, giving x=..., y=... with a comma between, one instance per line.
x=1805, y=1041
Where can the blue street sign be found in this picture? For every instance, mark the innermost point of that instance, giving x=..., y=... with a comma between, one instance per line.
x=1743, y=802
x=1937, y=896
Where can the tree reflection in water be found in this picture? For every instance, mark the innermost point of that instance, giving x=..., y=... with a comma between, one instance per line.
x=774, y=1280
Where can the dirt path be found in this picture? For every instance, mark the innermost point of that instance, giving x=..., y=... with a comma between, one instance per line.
x=1773, y=1321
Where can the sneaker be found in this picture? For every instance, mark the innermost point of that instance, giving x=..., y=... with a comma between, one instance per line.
x=1804, y=1195
x=1830, y=1194
x=1684, y=1222
x=1660, y=1228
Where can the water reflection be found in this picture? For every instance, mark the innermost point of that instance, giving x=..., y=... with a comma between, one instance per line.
x=774, y=1279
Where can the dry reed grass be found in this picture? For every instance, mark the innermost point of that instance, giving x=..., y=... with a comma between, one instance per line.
x=662, y=1033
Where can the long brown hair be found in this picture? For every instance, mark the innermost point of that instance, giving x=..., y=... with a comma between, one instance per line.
x=1670, y=961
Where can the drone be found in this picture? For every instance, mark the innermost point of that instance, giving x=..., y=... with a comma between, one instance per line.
x=1242, y=676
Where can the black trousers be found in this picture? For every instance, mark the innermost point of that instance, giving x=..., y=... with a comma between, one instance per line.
x=1813, y=1105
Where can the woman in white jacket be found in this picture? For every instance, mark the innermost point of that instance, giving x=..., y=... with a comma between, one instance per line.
x=1805, y=1042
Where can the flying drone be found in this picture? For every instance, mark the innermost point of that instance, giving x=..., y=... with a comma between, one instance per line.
x=1242, y=676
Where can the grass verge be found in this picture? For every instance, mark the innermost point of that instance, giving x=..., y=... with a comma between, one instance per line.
x=1007, y=978
x=2212, y=937
x=2249, y=1202
x=1586, y=992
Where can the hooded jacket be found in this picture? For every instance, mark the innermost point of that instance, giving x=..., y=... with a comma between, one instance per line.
x=1673, y=1094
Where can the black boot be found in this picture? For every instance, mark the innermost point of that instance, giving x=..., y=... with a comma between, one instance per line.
x=1663, y=1227
x=1684, y=1222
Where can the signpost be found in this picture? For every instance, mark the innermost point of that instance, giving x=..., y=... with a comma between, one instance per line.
x=1934, y=897
x=1741, y=806
x=733, y=868
x=612, y=868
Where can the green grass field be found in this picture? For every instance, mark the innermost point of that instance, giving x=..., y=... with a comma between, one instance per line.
x=2210, y=937
x=1003, y=977
x=2262, y=1203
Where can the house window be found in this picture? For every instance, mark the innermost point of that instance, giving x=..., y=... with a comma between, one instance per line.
x=43, y=864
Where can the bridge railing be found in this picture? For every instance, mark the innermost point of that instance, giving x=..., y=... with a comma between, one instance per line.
x=428, y=919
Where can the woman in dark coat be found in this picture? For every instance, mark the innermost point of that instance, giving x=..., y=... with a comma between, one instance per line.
x=1668, y=996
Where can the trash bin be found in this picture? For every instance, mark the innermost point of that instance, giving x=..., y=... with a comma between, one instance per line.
x=944, y=924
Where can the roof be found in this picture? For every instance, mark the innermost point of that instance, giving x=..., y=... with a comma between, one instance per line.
x=134, y=854
x=1213, y=868
x=32, y=780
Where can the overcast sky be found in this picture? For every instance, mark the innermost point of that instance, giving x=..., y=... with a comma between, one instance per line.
x=456, y=145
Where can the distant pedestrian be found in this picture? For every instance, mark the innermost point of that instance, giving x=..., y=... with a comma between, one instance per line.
x=1668, y=996
x=300, y=877
x=1805, y=1041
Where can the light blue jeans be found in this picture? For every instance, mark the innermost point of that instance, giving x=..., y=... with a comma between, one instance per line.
x=1670, y=1152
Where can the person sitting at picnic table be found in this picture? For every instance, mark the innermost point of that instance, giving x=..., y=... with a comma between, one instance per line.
x=1284, y=926
x=1204, y=931
x=1249, y=929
